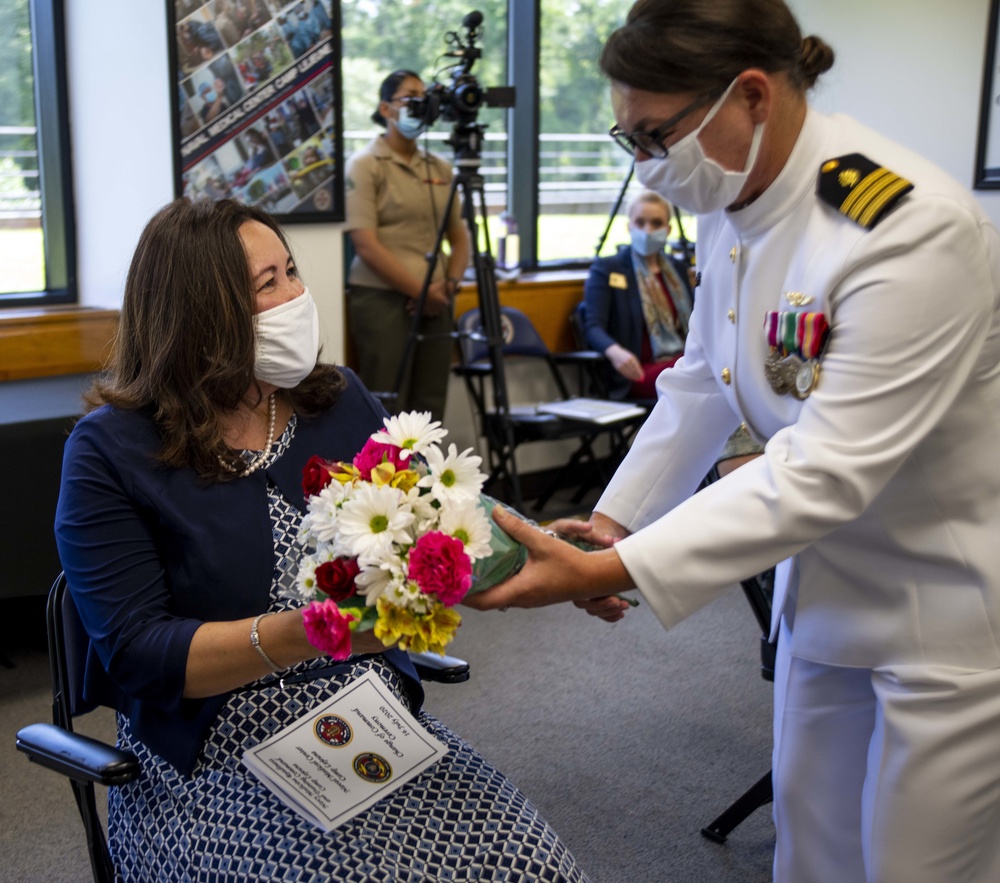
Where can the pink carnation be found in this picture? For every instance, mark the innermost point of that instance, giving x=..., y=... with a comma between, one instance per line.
x=375, y=453
x=439, y=566
x=328, y=628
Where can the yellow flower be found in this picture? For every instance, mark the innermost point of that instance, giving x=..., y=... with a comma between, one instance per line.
x=394, y=624
x=438, y=628
x=422, y=633
x=383, y=474
x=345, y=473
x=405, y=479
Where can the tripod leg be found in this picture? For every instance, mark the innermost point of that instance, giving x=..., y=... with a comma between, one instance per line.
x=759, y=794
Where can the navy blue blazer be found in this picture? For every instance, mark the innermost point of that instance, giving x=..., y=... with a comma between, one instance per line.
x=150, y=553
x=614, y=315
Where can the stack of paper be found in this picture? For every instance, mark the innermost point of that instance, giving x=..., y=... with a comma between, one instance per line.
x=592, y=410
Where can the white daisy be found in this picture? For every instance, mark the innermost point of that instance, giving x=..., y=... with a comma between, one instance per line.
x=426, y=513
x=372, y=520
x=376, y=580
x=407, y=594
x=319, y=525
x=455, y=477
x=467, y=521
x=304, y=589
x=412, y=431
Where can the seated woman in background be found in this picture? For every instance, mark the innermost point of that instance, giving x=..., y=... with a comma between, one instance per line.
x=177, y=527
x=638, y=302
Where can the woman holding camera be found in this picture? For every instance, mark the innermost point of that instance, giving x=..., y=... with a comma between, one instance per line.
x=397, y=196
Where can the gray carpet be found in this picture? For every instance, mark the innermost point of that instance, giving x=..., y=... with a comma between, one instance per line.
x=629, y=739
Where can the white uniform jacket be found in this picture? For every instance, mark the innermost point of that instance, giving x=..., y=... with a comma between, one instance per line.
x=882, y=486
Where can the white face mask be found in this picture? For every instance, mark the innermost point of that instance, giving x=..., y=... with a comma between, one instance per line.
x=409, y=126
x=692, y=180
x=647, y=242
x=287, y=342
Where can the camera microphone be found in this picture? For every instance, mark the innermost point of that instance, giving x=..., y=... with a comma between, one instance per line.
x=473, y=20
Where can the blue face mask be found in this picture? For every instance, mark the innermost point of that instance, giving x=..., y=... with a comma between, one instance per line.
x=210, y=97
x=647, y=242
x=409, y=126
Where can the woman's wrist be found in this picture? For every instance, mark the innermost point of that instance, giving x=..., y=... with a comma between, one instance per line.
x=282, y=637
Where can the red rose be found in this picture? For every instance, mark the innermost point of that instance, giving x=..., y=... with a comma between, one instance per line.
x=316, y=475
x=336, y=577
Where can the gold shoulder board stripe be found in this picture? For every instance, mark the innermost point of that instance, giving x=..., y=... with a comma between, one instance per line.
x=861, y=189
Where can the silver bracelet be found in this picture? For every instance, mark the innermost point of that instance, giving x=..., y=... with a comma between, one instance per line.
x=255, y=643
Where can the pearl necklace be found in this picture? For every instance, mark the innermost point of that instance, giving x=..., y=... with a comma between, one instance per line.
x=263, y=458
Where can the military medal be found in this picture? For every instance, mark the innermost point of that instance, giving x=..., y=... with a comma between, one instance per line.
x=806, y=379
x=796, y=341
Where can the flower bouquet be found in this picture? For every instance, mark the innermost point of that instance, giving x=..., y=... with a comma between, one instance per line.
x=398, y=537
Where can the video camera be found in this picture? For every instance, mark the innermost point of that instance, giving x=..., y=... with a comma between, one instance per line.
x=460, y=101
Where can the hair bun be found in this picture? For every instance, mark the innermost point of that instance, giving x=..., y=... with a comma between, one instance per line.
x=815, y=58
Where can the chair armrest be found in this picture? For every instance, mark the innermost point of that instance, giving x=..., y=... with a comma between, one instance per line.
x=580, y=357
x=440, y=669
x=476, y=369
x=77, y=756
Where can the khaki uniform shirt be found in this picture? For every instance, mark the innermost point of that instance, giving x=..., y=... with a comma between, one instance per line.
x=403, y=201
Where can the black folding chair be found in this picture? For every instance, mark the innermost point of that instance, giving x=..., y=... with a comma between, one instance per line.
x=525, y=423
x=86, y=761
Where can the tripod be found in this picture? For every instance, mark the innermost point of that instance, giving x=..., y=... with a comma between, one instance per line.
x=466, y=140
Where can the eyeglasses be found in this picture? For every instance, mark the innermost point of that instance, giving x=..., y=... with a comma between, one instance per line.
x=651, y=142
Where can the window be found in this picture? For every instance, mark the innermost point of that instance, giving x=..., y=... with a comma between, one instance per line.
x=36, y=212
x=380, y=37
x=549, y=160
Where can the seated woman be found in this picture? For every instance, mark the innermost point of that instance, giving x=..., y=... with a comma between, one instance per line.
x=638, y=302
x=177, y=527
x=636, y=309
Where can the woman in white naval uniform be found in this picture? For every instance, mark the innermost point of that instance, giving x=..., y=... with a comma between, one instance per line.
x=879, y=481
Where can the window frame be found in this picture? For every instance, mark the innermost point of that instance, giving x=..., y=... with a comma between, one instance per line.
x=55, y=173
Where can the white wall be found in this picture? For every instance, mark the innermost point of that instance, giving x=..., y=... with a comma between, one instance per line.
x=119, y=92
x=912, y=69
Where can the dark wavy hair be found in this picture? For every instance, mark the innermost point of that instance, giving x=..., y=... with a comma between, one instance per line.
x=700, y=46
x=185, y=346
x=388, y=88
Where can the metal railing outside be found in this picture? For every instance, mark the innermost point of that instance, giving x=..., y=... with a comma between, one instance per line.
x=576, y=173
x=20, y=196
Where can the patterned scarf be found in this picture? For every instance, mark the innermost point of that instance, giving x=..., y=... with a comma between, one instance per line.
x=666, y=312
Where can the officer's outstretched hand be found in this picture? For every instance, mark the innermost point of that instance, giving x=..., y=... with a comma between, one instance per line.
x=556, y=571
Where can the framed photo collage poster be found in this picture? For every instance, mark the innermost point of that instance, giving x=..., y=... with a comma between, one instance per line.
x=257, y=104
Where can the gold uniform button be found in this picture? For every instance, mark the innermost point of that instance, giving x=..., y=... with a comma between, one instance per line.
x=727, y=378
x=731, y=315
x=732, y=254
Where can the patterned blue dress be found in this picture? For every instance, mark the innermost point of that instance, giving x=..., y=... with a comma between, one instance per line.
x=460, y=820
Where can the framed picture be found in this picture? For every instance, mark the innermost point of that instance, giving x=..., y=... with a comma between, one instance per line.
x=257, y=112
x=988, y=149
